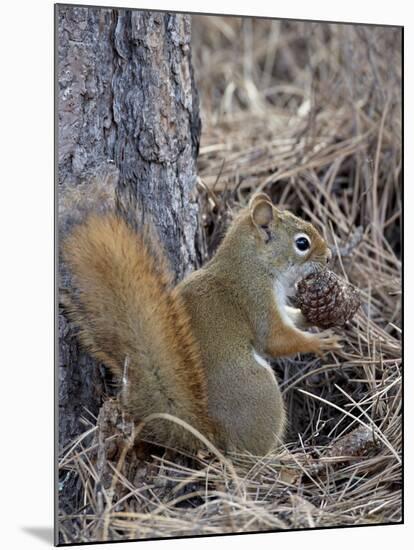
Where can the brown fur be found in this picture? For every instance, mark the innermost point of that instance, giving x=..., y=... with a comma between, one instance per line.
x=196, y=351
x=237, y=317
x=127, y=311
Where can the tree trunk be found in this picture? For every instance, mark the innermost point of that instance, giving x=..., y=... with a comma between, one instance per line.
x=128, y=116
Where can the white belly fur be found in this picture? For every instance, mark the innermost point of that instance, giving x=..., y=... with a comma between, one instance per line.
x=262, y=361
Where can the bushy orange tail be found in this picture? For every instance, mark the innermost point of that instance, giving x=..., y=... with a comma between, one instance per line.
x=132, y=320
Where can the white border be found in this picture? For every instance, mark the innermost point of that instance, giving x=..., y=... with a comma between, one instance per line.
x=26, y=218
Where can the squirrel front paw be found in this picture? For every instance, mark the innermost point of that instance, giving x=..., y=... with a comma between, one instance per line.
x=326, y=341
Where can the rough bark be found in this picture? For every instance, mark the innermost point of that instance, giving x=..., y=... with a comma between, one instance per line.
x=128, y=116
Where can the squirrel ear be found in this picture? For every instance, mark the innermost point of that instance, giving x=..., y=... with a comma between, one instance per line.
x=258, y=197
x=261, y=213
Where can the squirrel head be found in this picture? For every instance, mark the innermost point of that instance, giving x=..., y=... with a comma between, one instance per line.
x=264, y=241
x=288, y=246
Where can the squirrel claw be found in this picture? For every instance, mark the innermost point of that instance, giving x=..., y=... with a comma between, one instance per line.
x=327, y=341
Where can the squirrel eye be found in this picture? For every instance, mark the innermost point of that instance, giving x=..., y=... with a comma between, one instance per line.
x=302, y=243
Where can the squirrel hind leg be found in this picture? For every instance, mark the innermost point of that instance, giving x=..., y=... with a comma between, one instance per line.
x=250, y=416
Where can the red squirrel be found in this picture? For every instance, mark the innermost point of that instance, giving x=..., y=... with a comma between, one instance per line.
x=198, y=350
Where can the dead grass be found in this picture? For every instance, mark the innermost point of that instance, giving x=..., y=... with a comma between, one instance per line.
x=310, y=113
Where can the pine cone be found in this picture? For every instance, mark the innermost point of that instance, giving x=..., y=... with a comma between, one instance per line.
x=326, y=300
